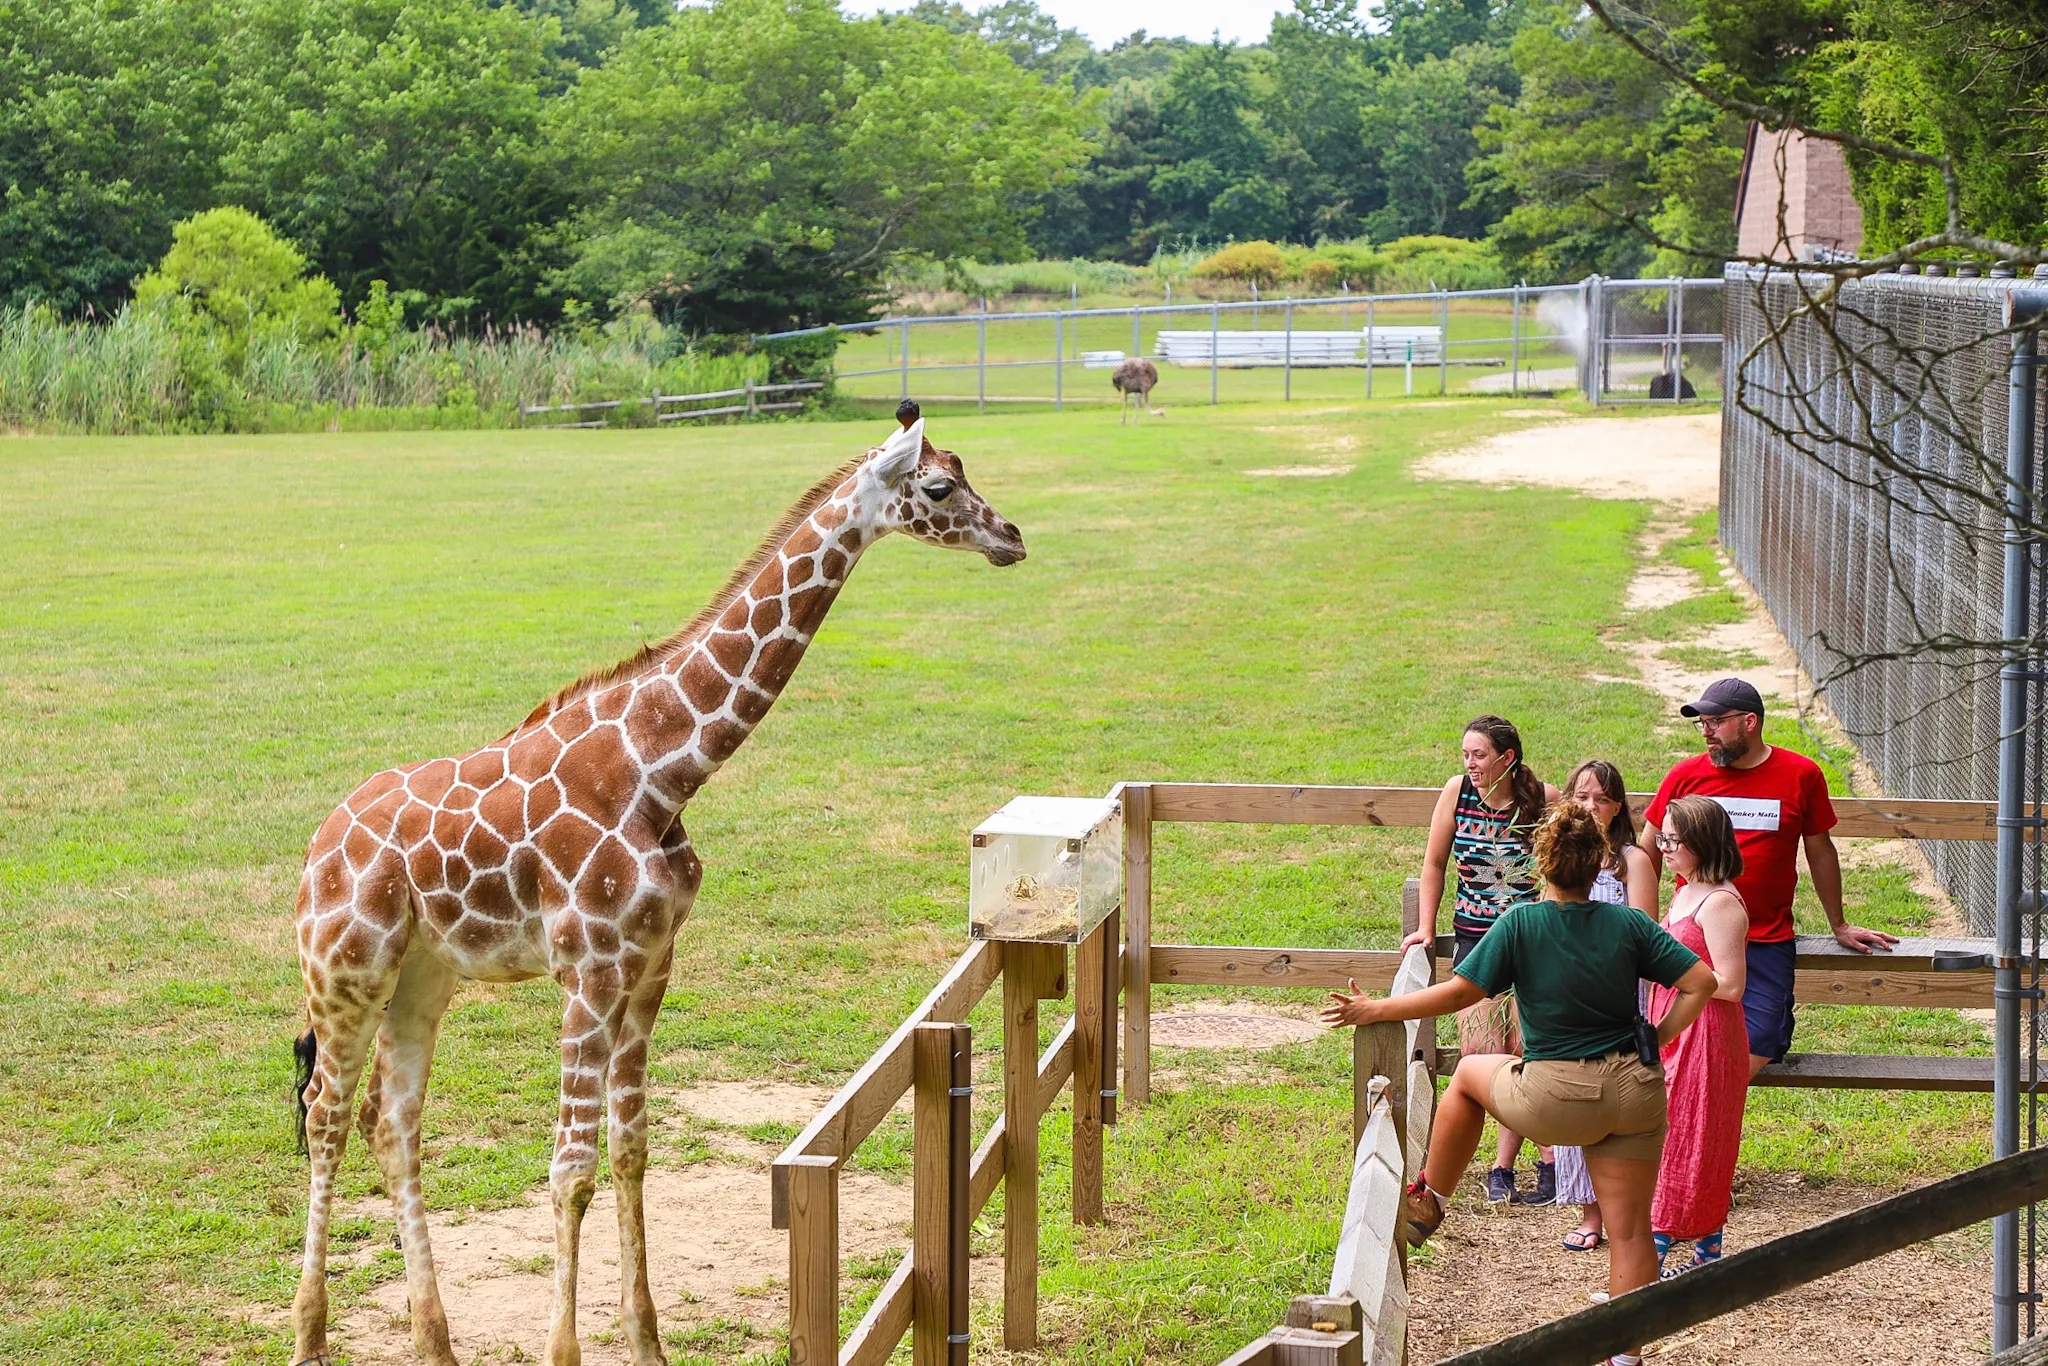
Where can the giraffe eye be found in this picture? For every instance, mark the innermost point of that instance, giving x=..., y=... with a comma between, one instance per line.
x=939, y=490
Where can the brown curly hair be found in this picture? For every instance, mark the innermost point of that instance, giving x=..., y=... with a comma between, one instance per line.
x=1571, y=846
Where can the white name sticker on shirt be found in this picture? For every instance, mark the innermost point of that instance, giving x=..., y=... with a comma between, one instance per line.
x=1752, y=813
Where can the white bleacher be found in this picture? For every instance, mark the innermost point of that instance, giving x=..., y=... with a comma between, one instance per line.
x=1234, y=348
x=1103, y=360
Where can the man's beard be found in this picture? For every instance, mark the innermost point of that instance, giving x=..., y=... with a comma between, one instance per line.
x=1723, y=755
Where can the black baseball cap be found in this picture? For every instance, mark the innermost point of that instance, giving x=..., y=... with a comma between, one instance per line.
x=1722, y=696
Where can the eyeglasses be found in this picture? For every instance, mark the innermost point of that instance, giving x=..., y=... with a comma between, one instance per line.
x=1668, y=842
x=1707, y=723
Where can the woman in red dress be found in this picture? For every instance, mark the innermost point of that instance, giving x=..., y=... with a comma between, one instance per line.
x=1706, y=1067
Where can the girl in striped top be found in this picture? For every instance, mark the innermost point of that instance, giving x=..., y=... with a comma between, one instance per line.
x=1484, y=825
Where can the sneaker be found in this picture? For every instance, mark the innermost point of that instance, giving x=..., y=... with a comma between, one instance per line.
x=1546, y=1186
x=1500, y=1186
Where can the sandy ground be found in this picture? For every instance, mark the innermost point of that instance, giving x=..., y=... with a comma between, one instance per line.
x=1671, y=460
x=712, y=1253
x=1492, y=1274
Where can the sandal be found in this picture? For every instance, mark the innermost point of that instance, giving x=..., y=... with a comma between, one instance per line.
x=1582, y=1240
x=1420, y=1217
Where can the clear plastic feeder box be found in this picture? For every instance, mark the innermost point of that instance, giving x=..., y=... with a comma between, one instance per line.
x=1046, y=869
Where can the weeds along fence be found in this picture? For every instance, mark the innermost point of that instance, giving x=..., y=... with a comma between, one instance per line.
x=138, y=374
x=1612, y=340
x=1112, y=975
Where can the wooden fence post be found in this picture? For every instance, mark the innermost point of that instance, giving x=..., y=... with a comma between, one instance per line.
x=1029, y=972
x=1379, y=1050
x=813, y=1261
x=1092, y=1006
x=1138, y=952
x=943, y=1068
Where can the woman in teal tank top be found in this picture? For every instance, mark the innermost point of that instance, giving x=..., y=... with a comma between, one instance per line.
x=1482, y=828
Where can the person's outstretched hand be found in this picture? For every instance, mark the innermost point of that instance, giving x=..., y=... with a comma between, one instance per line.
x=1862, y=940
x=1354, y=1008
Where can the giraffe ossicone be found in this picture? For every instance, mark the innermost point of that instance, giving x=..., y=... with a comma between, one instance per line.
x=559, y=849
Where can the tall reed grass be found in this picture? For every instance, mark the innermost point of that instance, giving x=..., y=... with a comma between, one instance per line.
x=139, y=374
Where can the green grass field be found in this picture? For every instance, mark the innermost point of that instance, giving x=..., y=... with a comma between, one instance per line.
x=206, y=642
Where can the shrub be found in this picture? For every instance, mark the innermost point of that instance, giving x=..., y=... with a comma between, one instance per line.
x=1416, y=263
x=1253, y=263
x=229, y=277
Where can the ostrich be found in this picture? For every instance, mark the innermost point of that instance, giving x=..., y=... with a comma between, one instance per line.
x=1135, y=377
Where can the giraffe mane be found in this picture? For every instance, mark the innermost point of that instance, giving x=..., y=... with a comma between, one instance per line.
x=660, y=651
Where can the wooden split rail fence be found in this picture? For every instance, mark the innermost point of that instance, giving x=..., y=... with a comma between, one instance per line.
x=750, y=392
x=1394, y=1071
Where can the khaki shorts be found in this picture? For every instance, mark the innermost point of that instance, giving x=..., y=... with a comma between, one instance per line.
x=1611, y=1106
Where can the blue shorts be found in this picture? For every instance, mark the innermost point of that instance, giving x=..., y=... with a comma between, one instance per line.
x=1767, y=997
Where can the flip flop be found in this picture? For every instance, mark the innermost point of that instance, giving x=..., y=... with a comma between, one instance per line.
x=1579, y=1240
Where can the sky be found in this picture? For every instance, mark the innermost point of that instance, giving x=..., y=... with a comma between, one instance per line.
x=1105, y=21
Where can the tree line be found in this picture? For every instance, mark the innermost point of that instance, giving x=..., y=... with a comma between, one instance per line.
x=745, y=165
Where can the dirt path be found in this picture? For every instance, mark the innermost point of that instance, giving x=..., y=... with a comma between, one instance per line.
x=1495, y=1273
x=713, y=1259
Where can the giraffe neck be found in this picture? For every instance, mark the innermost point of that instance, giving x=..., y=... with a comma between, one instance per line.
x=735, y=669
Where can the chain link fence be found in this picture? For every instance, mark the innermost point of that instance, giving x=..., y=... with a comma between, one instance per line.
x=1507, y=342
x=1859, y=556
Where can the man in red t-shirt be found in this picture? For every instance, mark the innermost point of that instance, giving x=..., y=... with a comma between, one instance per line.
x=1778, y=802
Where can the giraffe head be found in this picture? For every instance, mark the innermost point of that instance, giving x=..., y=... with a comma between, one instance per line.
x=922, y=491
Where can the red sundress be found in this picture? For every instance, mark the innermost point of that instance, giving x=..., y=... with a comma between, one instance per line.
x=1706, y=1078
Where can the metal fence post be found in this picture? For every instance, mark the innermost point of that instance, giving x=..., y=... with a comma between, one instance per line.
x=1595, y=301
x=2013, y=726
x=981, y=359
x=1287, y=352
x=903, y=357
x=1443, y=346
x=1370, y=344
x=1215, y=312
x=1515, y=345
x=1137, y=342
x=1059, y=359
x=1677, y=339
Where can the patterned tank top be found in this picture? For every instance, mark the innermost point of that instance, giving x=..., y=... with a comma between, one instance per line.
x=1495, y=861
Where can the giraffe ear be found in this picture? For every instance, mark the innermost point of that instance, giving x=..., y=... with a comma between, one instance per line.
x=900, y=452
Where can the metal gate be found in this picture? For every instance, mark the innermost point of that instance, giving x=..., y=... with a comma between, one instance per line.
x=1653, y=340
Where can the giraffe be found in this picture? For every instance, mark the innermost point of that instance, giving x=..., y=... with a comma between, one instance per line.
x=559, y=849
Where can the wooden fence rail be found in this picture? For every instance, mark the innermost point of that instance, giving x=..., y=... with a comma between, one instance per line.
x=750, y=391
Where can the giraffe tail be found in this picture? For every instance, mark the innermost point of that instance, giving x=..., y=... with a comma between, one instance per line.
x=305, y=1051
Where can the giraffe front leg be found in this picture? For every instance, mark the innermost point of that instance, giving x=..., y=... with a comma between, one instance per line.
x=626, y=1138
x=572, y=1177
x=391, y=1122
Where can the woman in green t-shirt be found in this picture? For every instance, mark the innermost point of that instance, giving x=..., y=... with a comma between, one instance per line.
x=1573, y=964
